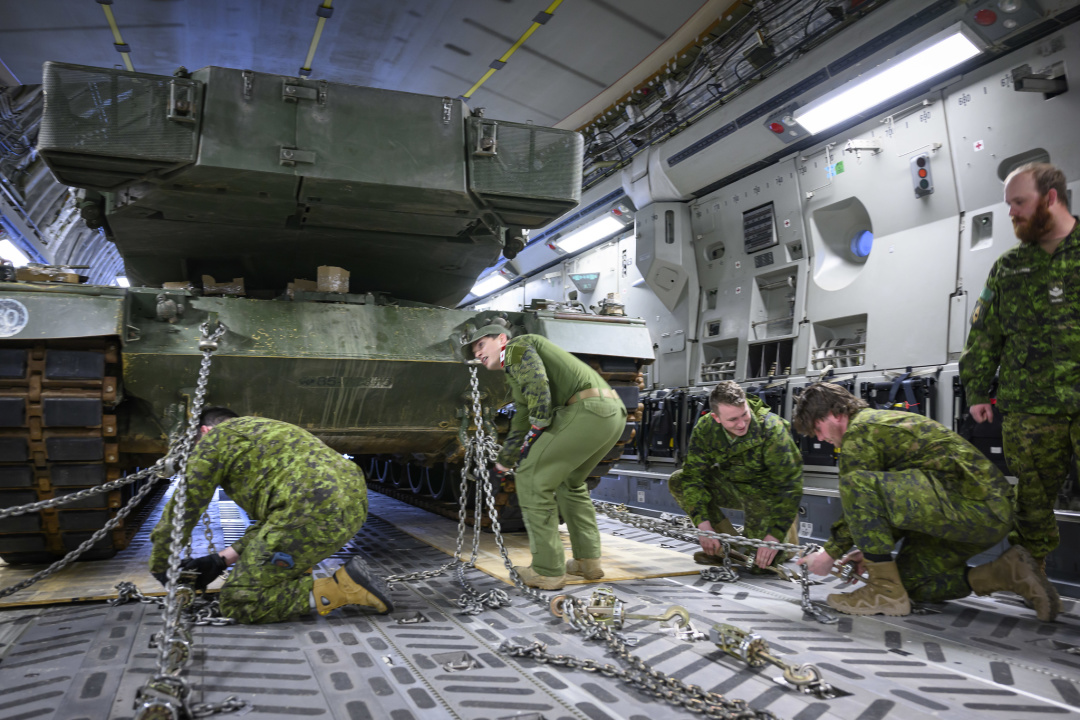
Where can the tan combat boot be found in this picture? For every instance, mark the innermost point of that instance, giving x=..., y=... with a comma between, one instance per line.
x=883, y=593
x=534, y=579
x=1057, y=605
x=1017, y=571
x=352, y=584
x=588, y=568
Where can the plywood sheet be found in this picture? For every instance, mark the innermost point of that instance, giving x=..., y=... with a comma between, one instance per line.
x=622, y=559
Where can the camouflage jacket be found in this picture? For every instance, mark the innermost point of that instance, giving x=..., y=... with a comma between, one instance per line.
x=542, y=377
x=1027, y=321
x=879, y=441
x=763, y=462
x=264, y=466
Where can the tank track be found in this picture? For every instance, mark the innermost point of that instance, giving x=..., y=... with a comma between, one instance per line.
x=58, y=435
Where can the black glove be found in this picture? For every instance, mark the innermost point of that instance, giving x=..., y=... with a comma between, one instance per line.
x=208, y=567
x=500, y=476
x=530, y=438
x=161, y=577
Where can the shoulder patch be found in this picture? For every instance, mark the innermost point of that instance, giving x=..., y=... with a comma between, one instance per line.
x=978, y=315
x=514, y=354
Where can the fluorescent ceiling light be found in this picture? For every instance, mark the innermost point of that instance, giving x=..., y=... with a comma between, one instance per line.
x=491, y=283
x=866, y=93
x=590, y=233
x=122, y=281
x=8, y=251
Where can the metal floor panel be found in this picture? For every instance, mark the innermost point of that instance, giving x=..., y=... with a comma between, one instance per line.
x=978, y=658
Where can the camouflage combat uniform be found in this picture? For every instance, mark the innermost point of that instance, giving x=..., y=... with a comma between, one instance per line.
x=906, y=476
x=305, y=499
x=550, y=481
x=1027, y=321
x=760, y=472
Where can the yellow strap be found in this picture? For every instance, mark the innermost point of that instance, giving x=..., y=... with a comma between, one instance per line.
x=315, y=38
x=513, y=48
x=116, y=36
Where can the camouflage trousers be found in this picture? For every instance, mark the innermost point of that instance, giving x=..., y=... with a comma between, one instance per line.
x=551, y=481
x=939, y=529
x=272, y=580
x=727, y=495
x=1040, y=449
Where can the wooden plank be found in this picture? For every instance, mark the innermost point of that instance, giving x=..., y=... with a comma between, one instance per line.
x=622, y=559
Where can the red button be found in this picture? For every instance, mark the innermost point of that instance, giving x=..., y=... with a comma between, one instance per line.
x=776, y=127
x=986, y=17
x=922, y=172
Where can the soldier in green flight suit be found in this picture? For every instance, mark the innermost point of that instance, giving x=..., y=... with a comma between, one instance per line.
x=907, y=477
x=306, y=500
x=1027, y=323
x=740, y=456
x=566, y=420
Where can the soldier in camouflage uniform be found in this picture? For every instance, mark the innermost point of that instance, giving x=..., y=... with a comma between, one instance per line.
x=740, y=456
x=306, y=500
x=566, y=419
x=1027, y=322
x=907, y=477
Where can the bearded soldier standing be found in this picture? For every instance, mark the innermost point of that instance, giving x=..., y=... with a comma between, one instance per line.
x=1026, y=323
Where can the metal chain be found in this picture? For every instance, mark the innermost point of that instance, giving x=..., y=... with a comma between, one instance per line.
x=75, y=496
x=678, y=527
x=167, y=691
x=481, y=452
x=86, y=545
x=638, y=674
x=201, y=611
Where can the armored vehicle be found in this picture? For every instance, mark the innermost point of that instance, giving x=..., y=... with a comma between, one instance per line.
x=323, y=225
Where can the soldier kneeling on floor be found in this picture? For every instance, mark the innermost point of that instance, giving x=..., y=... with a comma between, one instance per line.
x=306, y=500
x=740, y=456
x=905, y=477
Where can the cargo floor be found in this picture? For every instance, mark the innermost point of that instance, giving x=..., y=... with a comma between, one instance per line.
x=976, y=658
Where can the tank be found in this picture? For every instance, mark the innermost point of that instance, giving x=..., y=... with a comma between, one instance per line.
x=326, y=226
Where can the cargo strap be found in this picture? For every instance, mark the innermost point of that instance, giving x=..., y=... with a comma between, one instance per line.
x=591, y=393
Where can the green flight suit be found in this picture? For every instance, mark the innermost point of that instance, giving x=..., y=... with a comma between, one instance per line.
x=759, y=472
x=905, y=476
x=1027, y=322
x=305, y=499
x=551, y=480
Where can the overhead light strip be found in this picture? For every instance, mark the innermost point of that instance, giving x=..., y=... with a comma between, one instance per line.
x=879, y=85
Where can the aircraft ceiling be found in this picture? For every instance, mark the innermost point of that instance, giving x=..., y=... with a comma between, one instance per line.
x=435, y=47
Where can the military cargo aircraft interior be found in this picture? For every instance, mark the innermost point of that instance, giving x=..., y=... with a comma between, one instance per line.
x=492, y=359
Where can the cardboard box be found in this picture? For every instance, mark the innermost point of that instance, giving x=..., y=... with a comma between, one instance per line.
x=333, y=279
x=212, y=287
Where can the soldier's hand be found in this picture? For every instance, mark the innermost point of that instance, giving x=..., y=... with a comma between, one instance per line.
x=819, y=563
x=983, y=412
x=208, y=567
x=161, y=577
x=499, y=473
x=530, y=438
x=708, y=544
x=855, y=559
x=765, y=556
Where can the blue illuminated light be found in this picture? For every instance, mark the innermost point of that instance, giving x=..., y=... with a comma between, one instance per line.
x=862, y=243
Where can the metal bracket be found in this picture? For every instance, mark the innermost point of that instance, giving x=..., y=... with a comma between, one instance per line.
x=295, y=93
x=249, y=83
x=323, y=88
x=181, y=106
x=291, y=156
x=447, y=110
x=487, y=143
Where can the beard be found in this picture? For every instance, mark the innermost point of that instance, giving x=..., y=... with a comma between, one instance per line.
x=1032, y=230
